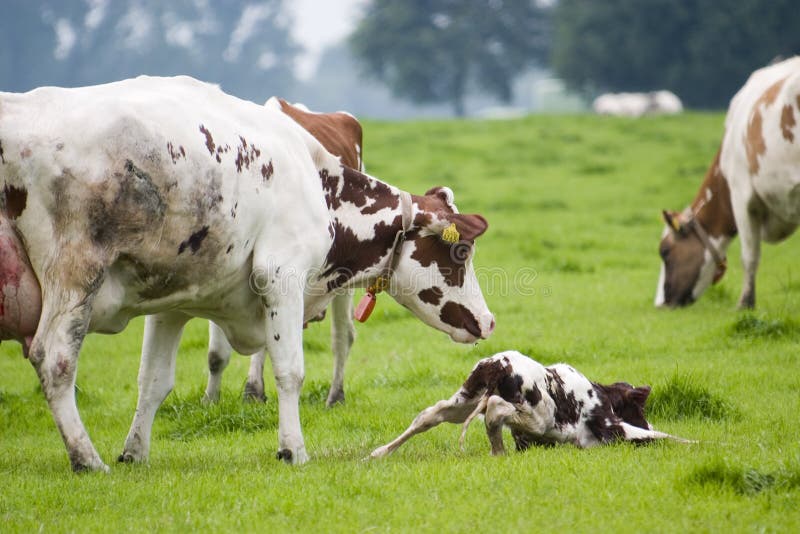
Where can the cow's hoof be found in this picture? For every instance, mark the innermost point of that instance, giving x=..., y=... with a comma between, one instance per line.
x=128, y=458
x=380, y=452
x=96, y=467
x=334, y=398
x=297, y=457
x=254, y=394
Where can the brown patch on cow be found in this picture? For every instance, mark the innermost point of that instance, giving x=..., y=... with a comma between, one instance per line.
x=14, y=201
x=245, y=155
x=349, y=255
x=716, y=215
x=175, y=153
x=432, y=295
x=330, y=185
x=485, y=377
x=209, y=140
x=787, y=122
x=533, y=396
x=755, y=145
x=339, y=133
x=459, y=316
x=430, y=249
x=267, y=171
x=567, y=409
x=359, y=189
x=194, y=241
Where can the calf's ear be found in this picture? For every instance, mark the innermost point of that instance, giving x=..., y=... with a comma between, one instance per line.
x=638, y=395
x=469, y=226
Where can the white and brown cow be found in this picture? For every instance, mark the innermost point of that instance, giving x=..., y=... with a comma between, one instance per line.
x=341, y=135
x=167, y=197
x=540, y=405
x=752, y=188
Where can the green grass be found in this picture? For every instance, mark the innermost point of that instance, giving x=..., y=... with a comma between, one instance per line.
x=569, y=267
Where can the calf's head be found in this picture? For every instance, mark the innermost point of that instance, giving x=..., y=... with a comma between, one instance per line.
x=688, y=265
x=434, y=277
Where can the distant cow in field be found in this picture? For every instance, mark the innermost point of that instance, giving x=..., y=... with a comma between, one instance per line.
x=752, y=188
x=168, y=198
x=637, y=104
x=341, y=135
x=541, y=405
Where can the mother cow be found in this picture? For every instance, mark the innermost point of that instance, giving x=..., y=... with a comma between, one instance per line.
x=752, y=187
x=166, y=196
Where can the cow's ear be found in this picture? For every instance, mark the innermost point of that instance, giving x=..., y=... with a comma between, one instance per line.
x=445, y=194
x=469, y=226
x=673, y=221
x=638, y=395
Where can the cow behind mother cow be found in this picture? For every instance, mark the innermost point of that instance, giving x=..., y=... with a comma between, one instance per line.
x=751, y=189
x=176, y=200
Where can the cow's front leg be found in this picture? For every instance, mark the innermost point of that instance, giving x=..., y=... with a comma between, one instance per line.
x=749, y=227
x=54, y=354
x=285, y=347
x=343, y=333
x=219, y=356
x=162, y=334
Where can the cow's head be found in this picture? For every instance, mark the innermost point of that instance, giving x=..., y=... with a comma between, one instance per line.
x=434, y=277
x=628, y=402
x=691, y=260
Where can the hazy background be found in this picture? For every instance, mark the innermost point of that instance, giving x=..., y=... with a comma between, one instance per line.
x=405, y=58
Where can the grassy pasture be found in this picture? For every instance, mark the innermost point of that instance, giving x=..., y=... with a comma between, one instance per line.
x=569, y=267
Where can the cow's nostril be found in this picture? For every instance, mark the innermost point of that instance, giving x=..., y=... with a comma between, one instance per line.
x=491, y=326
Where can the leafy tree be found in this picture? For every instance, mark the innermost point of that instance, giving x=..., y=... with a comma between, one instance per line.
x=703, y=50
x=242, y=45
x=434, y=50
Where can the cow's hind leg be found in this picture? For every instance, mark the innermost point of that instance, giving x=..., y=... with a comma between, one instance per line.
x=498, y=411
x=641, y=435
x=54, y=354
x=456, y=409
x=342, y=336
x=254, y=387
x=219, y=356
x=162, y=334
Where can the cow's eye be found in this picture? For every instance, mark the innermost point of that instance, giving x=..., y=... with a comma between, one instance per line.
x=663, y=252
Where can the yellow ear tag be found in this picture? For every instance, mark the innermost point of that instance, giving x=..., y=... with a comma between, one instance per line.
x=676, y=224
x=450, y=234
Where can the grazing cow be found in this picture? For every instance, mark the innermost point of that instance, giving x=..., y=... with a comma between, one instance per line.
x=752, y=188
x=541, y=405
x=638, y=104
x=168, y=198
x=340, y=134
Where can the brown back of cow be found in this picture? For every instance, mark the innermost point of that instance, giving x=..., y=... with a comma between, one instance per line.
x=340, y=133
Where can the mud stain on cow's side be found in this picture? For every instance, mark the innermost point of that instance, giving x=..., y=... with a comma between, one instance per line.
x=267, y=171
x=787, y=122
x=175, y=153
x=14, y=201
x=2, y=158
x=194, y=241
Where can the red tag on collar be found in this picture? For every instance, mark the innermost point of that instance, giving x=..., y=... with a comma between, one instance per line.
x=365, y=307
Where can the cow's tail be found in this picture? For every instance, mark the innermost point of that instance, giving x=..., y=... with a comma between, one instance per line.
x=479, y=409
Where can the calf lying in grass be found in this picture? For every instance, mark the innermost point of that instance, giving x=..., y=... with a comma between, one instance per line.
x=541, y=405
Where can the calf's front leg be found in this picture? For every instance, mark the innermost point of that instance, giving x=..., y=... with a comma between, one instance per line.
x=498, y=411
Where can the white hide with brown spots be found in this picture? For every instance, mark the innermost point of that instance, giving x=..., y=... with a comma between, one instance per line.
x=168, y=198
x=752, y=189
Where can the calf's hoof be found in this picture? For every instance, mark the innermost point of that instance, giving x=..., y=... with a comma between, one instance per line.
x=380, y=452
x=128, y=457
x=89, y=467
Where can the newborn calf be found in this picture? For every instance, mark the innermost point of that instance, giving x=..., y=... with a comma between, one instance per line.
x=541, y=405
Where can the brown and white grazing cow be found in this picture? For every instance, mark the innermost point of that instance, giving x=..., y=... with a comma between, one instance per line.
x=168, y=198
x=752, y=187
x=341, y=135
x=540, y=405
